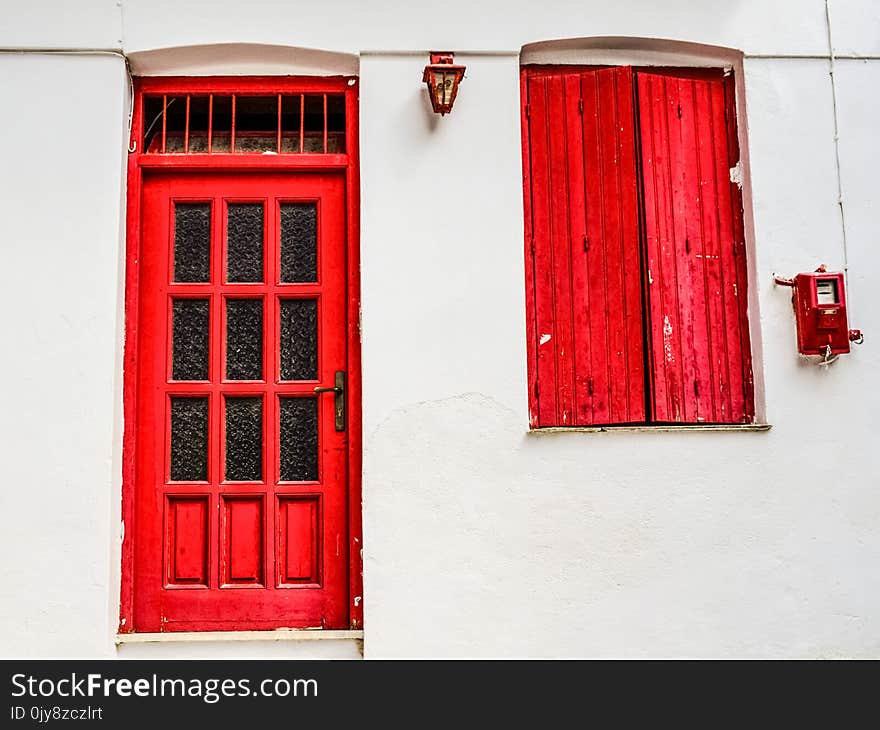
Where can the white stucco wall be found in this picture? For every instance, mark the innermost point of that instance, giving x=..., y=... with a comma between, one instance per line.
x=479, y=538
x=584, y=544
x=60, y=207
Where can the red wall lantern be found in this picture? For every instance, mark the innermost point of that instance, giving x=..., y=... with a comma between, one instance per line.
x=442, y=77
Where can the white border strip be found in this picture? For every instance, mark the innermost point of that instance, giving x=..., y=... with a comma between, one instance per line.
x=670, y=428
x=276, y=635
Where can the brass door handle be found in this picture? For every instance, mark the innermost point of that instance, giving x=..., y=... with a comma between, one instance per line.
x=339, y=400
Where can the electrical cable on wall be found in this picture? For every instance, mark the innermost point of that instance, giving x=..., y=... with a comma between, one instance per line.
x=836, y=134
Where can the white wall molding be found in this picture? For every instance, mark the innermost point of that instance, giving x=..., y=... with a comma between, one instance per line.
x=628, y=51
x=242, y=59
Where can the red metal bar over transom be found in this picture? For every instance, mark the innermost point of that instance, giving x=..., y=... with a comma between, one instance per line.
x=244, y=123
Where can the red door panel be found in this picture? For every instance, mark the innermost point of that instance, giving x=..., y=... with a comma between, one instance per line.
x=241, y=512
x=584, y=285
x=695, y=248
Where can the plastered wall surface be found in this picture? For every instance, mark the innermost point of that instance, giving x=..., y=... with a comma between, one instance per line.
x=755, y=26
x=60, y=207
x=480, y=539
x=609, y=544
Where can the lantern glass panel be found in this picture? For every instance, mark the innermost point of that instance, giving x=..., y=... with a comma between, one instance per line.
x=444, y=87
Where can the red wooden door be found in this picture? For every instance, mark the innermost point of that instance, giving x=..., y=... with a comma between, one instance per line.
x=241, y=507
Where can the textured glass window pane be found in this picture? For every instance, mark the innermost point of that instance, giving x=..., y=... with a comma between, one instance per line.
x=244, y=439
x=299, y=339
x=244, y=339
x=299, y=242
x=244, y=242
x=189, y=359
x=189, y=439
x=192, y=242
x=299, y=439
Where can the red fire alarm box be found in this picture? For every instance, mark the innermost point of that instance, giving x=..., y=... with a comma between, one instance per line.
x=819, y=300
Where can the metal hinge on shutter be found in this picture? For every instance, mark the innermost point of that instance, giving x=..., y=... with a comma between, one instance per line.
x=580, y=106
x=528, y=111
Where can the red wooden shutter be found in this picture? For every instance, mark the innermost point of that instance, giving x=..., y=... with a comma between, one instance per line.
x=586, y=358
x=700, y=351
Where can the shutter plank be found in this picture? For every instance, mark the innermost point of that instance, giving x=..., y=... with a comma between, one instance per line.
x=562, y=343
x=681, y=296
x=698, y=374
x=654, y=200
x=609, y=175
x=633, y=357
x=583, y=401
x=598, y=372
x=660, y=236
x=528, y=258
x=616, y=355
x=711, y=213
x=539, y=131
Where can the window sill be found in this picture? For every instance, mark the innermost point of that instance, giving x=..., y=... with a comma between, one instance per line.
x=753, y=427
x=276, y=635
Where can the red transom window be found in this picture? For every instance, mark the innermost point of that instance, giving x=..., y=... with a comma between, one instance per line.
x=241, y=123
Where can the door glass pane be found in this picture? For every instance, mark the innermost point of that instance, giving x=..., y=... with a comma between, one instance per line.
x=298, y=439
x=244, y=339
x=189, y=439
x=299, y=242
x=299, y=339
x=244, y=242
x=244, y=439
x=189, y=360
x=192, y=242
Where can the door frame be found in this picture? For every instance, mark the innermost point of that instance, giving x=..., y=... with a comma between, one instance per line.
x=140, y=163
